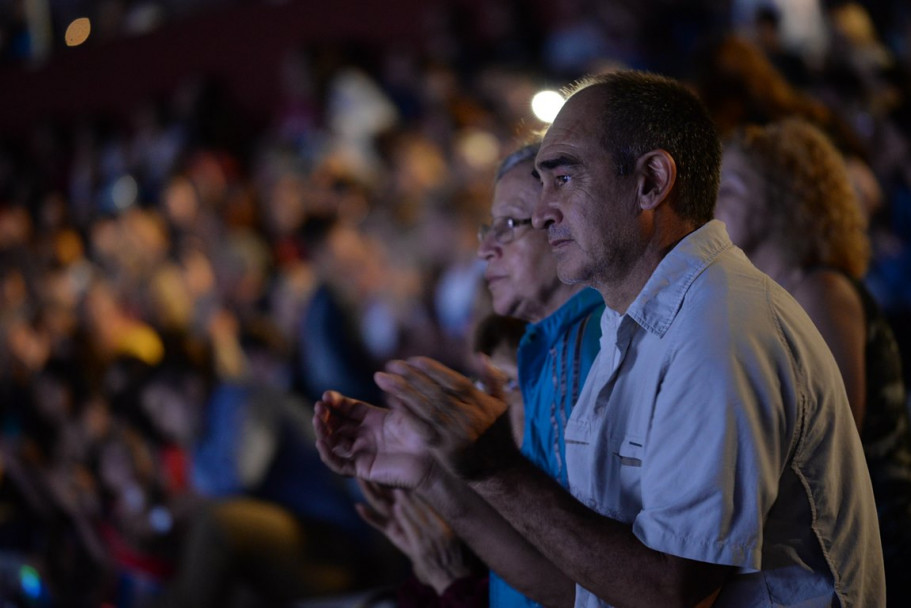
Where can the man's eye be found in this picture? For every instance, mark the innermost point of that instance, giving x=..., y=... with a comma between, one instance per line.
x=561, y=180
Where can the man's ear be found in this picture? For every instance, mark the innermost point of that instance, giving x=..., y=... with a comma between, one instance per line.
x=657, y=173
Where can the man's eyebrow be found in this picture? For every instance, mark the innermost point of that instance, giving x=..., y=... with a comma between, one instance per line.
x=559, y=161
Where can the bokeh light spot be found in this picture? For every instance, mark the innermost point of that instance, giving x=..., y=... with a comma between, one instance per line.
x=78, y=31
x=479, y=149
x=30, y=581
x=546, y=105
x=124, y=192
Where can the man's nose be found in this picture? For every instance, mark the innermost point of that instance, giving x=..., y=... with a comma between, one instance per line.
x=545, y=212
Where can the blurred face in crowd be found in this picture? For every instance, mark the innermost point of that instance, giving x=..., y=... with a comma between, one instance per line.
x=504, y=359
x=521, y=274
x=740, y=200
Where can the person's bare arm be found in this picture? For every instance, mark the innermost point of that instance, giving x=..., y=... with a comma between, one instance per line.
x=599, y=553
x=836, y=309
x=497, y=543
x=381, y=445
x=438, y=557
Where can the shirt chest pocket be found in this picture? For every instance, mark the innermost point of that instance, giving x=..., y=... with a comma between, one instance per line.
x=605, y=472
x=577, y=432
x=581, y=463
x=627, y=456
x=629, y=450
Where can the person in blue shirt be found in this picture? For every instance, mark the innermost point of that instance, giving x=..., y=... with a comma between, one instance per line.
x=558, y=347
x=561, y=339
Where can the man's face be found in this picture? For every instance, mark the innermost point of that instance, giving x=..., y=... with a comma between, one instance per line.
x=589, y=212
x=521, y=274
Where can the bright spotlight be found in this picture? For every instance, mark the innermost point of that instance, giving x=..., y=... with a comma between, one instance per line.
x=546, y=104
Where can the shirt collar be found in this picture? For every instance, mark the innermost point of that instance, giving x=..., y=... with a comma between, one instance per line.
x=657, y=304
x=579, y=305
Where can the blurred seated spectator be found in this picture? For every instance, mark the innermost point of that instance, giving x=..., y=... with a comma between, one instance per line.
x=278, y=527
x=331, y=346
x=740, y=85
x=767, y=30
x=498, y=337
x=788, y=202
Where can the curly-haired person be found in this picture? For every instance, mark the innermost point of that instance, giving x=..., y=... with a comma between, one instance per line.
x=788, y=203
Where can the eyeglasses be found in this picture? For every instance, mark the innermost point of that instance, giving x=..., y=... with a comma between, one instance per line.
x=503, y=229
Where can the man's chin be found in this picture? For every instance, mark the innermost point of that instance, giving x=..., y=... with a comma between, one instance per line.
x=570, y=276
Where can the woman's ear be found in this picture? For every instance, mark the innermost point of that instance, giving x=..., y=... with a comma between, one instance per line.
x=657, y=173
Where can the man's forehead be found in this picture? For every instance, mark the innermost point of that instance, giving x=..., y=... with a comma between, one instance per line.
x=552, y=139
x=574, y=125
x=580, y=105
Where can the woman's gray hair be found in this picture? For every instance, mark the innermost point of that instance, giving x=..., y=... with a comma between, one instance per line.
x=526, y=152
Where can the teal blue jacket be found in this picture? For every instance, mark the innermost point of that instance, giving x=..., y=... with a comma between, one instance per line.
x=554, y=357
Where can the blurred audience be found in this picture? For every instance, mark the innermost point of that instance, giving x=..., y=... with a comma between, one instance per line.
x=741, y=86
x=171, y=284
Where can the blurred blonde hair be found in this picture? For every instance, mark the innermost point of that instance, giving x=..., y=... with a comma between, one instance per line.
x=816, y=216
x=740, y=86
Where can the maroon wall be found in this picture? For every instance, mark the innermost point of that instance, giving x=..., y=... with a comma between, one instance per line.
x=241, y=45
